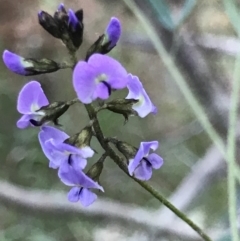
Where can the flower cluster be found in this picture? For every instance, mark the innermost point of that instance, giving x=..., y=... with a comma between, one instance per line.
x=95, y=77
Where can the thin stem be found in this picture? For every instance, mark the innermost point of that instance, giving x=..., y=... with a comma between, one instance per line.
x=231, y=152
x=120, y=162
x=181, y=82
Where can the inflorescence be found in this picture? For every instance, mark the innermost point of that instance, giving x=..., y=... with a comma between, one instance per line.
x=94, y=78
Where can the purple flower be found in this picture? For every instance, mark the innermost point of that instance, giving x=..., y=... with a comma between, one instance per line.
x=144, y=106
x=143, y=162
x=113, y=32
x=80, y=183
x=58, y=152
x=16, y=63
x=30, y=99
x=95, y=78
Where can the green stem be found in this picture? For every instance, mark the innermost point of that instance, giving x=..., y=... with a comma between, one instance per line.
x=120, y=162
x=231, y=152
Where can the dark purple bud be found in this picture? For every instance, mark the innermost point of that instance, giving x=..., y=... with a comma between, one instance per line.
x=75, y=29
x=79, y=15
x=49, y=24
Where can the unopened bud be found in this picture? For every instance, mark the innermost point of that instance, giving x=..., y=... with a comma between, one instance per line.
x=122, y=106
x=95, y=171
x=75, y=27
x=28, y=66
x=49, y=24
x=126, y=149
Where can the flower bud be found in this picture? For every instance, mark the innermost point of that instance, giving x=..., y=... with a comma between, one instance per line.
x=81, y=139
x=28, y=66
x=112, y=33
x=79, y=15
x=75, y=27
x=106, y=42
x=95, y=171
x=126, y=149
x=122, y=106
x=67, y=26
x=49, y=24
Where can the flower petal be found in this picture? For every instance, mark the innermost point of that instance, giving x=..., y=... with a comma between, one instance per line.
x=76, y=177
x=31, y=98
x=144, y=106
x=113, y=31
x=143, y=171
x=45, y=136
x=87, y=197
x=64, y=147
x=84, y=81
x=155, y=160
x=15, y=63
x=55, y=156
x=23, y=122
x=101, y=92
x=134, y=86
x=87, y=152
x=116, y=75
x=78, y=162
x=72, y=20
x=146, y=146
x=74, y=194
x=133, y=163
x=49, y=132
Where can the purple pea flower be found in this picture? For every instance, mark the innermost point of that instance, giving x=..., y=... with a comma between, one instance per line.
x=95, y=78
x=30, y=99
x=144, y=106
x=55, y=148
x=143, y=162
x=113, y=32
x=16, y=63
x=80, y=183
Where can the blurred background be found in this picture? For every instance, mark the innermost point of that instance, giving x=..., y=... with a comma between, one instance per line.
x=201, y=40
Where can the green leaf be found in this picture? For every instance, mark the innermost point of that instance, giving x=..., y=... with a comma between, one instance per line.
x=164, y=14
